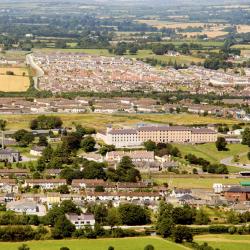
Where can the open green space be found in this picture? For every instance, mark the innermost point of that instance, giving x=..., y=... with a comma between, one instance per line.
x=225, y=241
x=101, y=244
x=209, y=151
x=197, y=182
x=100, y=121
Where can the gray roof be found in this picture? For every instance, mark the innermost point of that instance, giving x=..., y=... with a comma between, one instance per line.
x=75, y=217
x=123, y=131
x=238, y=189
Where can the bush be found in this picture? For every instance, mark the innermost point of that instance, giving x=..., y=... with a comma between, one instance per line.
x=232, y=230
x=149, y=247
x=213, y=229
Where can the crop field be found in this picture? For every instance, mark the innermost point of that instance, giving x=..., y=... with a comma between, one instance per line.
x=212, y=30
x=196, y=182
x=100, y=244
x=14, y=83
x=100, y=121
x=171, y=25
x=243, y=28
x=225, y=241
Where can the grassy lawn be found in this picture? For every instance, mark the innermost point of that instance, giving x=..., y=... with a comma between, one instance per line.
x=209, y=152
x=100, y=244
x=225, y=242
x=196, y=182
x=100, y=121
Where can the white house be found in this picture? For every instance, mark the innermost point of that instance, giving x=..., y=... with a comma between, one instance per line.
x=82, y=220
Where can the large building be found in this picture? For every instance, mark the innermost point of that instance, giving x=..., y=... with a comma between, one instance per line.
x=9, y=155
x=166, y=134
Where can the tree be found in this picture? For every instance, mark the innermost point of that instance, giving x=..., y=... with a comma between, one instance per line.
x=42, y=141
x=99, y=189
x=63, y=189
x=113, y=218
x=64, y=248
x=201, y=218
x=149, y=247
x=71, y=142
x=106, y=148
x=111, y=248
x=150, y=145
x=63, y=228
x=246, y=137
x=23, y=137
x=132, y=215
x=23, y=247
x=221, y=144
x=126, y=171
x=3, y=124
x=94, y=170
x=46, y=122
x=133, y=50
x=165, y=226
x=181, y=233
x=88, y=144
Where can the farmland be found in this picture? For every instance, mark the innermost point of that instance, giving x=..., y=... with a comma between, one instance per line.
x=225, y=242
x=99, y=121
x=17, y=82
x=100, y=244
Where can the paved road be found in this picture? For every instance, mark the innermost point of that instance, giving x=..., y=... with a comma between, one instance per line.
x=228, y=162
x=38, y=70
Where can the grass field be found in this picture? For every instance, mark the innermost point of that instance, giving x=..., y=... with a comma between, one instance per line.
x=100, y=121
x=225, y=241
x=14, y=83
x=100, y=244
x=197, y=182
x=209, y=152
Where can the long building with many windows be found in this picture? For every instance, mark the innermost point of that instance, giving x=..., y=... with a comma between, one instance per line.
x=166, y=134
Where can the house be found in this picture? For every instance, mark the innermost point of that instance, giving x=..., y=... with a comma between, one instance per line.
x=9, y=155
x=37, y=150
x=45, y=183
x=18, y=172
x=82, y=220
x=131, y=186
x=237, y=193
x=27, y=207
x=8, y=186
x=136, y=156
x=91, y=184
x=179, y=192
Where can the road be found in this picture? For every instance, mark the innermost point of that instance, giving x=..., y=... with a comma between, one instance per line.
x=38, y=70
x=228, y=162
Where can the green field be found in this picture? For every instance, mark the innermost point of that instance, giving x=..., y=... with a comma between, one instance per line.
x=100, y=244
x=196, y=182
x=100, y=121
x=225, y=241
x=209, y=152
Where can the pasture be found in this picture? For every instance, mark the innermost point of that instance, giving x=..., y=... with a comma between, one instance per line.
x=100, y=121
x=225, y=241
x=137, y=243
x=18, y=82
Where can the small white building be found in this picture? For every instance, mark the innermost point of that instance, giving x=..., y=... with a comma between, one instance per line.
x=82, y=220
